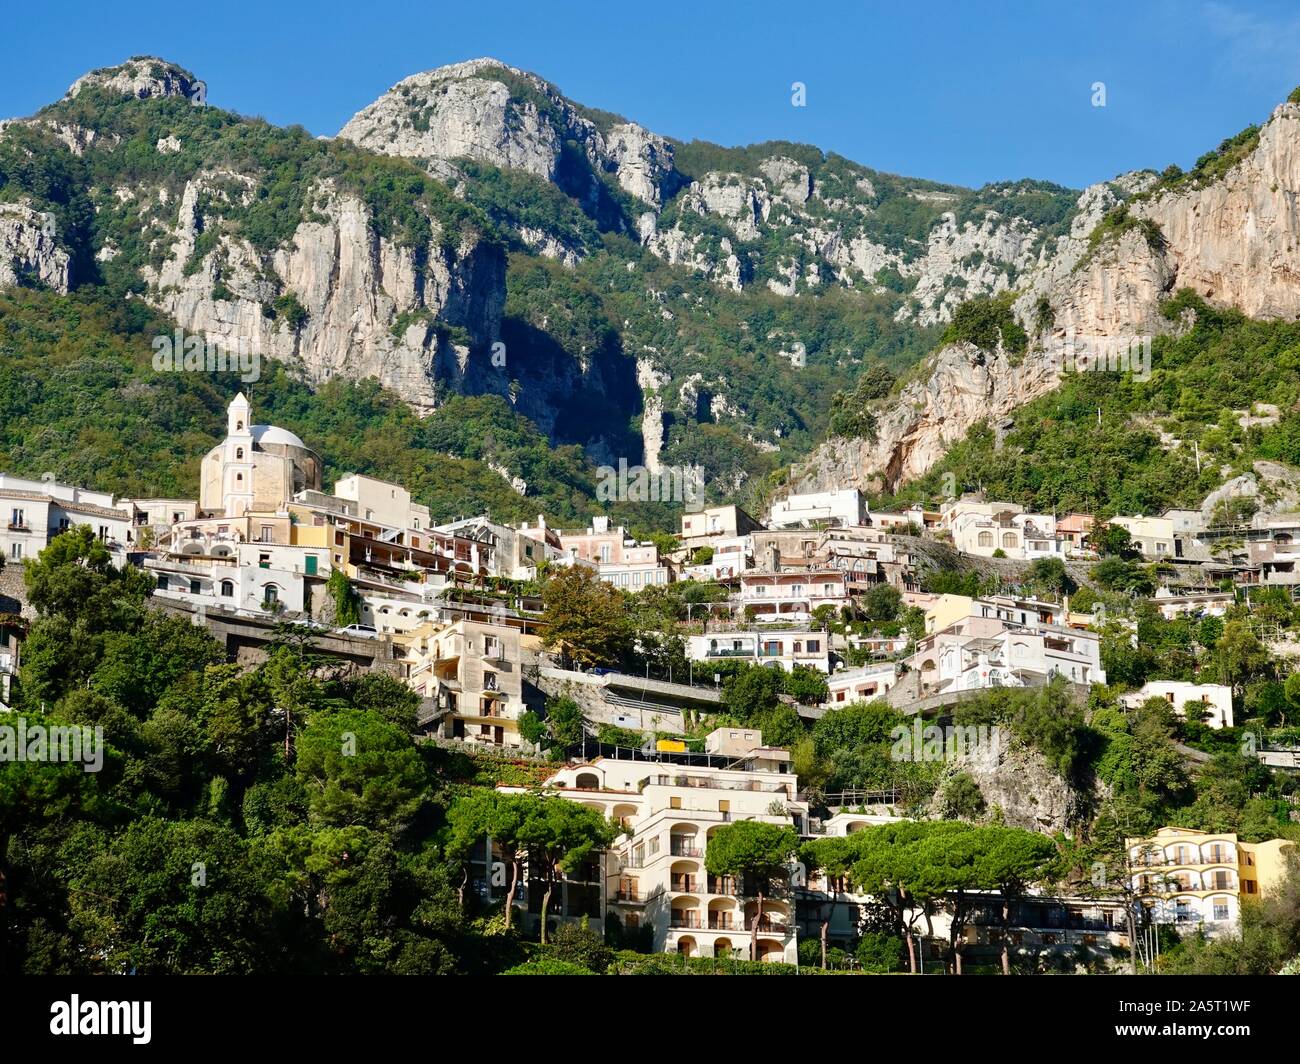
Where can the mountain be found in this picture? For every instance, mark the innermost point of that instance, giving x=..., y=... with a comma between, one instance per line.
x=474, y=232
x=1225, y=234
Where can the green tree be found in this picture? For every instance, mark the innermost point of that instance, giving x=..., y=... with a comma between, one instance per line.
x=586, y=620
x=560, y=837
x=358, y=768
x=754, y=852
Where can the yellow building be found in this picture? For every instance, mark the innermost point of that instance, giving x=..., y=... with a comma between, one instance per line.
x=1199, y=879
x=947, y=610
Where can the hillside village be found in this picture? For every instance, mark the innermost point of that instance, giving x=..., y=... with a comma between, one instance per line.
x=681, y=687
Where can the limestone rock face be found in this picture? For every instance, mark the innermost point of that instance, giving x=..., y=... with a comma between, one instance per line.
x=142, y=77
x=354, y=285
x=1018, y=782
x=963, y=386
x=485, y=110
x=1235, y=241
x=29, y=252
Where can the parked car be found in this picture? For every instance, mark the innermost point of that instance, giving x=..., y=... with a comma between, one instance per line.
x=364, y=631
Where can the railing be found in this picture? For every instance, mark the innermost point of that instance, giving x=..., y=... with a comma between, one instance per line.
x=685, y=884
x=629, y=896
x=722, y=885
x=685, y=920
x=681, y=849
x=719, y=785
x=721, y=923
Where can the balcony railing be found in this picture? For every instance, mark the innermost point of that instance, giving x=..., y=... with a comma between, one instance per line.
x=685, y=884
x=685, y=919
x=685, y=849
x=723, y=922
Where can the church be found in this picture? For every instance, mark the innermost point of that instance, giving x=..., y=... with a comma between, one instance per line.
x=256, y=468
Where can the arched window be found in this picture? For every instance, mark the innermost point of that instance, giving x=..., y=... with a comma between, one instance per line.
x=239, y=454
x=239, y=426
x=227, y=589
x=986, y=539
x=1008, y=539
x=271, y=594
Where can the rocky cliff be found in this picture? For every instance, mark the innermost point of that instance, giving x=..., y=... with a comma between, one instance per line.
x=1230, y=231
x=370, y=306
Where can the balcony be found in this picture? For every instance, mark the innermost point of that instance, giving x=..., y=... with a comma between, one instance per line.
x=685, y=919
x=685, y=885
x=722, y=922
x=630, y=897
x=682, y=847
x=723, y=885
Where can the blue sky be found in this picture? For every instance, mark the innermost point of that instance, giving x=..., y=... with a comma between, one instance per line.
x=961, y=92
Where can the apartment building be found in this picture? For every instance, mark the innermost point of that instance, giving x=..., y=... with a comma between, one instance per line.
x=786, y=648
x=1192, y=604
x=860, y=685
x=1152, y=536
x=716, y=522
x=35, y=511
x=790, y=595
x=845, y=506
x=382, y=502
x=670, y=804
x=516, y=553
x=731, y=557
x=1208, y=702
x=1200, y=879
x=1075, y=529
x=253, y=577
x=473, y=672
x=992, y=527
x=981, y=652
x=619, y=559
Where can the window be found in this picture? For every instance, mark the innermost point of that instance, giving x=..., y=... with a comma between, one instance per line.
x=1220, y=909
x=227, y=589
x=674, y=803
x=986, y=539
x=15, y=551
x=1008, y=539
x=239, y=454
x=271, y=595
x=194, y=587
x=312, y=563
x=162, y=583
x=19, y=519
x=814, y=646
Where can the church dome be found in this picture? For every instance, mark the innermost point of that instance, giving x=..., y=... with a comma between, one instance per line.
x=263, y=434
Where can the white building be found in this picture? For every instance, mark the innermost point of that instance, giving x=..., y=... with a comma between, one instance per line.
x=982, y=652
x=861, y=684
x=252, y=577
x=654, y=875
x=1209, y=702
x=35, y=511
x=843, y=507
x=791, y=595
x=786, y=648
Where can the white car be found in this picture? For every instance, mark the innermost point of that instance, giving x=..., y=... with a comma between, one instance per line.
x=364, y=631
